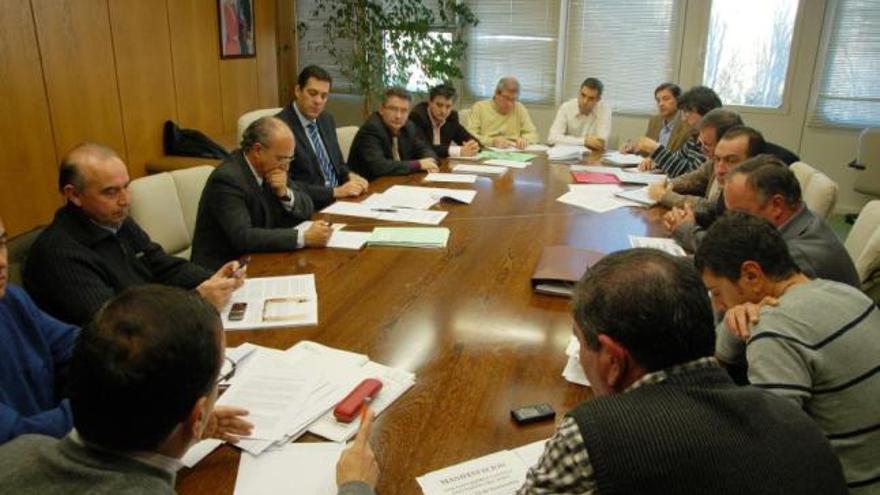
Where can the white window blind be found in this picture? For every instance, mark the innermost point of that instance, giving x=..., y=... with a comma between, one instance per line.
x=849, y=91
x=517, y=38
x=630, y=46
x=310, y=50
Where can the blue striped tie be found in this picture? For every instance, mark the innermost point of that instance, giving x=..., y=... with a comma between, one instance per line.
x=326, y=167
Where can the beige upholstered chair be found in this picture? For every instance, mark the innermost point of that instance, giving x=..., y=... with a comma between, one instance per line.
x=345, y=135
x=246, y=119
x=818, y=190
x=165, y=206
x=863, y=246
x=868, y=162
x=19, y=247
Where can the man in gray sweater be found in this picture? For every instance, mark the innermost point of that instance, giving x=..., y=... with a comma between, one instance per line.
x=143, y=385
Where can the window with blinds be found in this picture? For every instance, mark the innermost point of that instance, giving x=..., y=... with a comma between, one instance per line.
x=849, y=92
x=630, y=46
x=311, y=47
x=516, y=38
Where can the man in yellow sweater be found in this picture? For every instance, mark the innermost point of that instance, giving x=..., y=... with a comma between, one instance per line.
x=502, y=122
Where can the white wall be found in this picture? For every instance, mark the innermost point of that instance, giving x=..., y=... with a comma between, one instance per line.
x=828, y=149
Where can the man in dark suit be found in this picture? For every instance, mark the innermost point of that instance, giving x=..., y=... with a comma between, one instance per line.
x=317, y=164
x=249, y=203
x=388, y=144
x=439, y=124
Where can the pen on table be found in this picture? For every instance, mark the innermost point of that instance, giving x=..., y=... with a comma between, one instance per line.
x=384, y=210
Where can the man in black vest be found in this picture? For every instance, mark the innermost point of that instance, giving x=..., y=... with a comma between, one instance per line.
x=666, y=418
x=317, y=164
x=440, y=126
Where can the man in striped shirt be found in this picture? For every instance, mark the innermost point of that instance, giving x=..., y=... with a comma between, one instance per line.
x=693, y=105
x=814, y=342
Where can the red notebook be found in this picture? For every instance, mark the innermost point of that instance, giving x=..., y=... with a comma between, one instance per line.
x=595, y=178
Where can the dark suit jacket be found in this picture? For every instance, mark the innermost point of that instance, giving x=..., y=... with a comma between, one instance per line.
x=75, y=266
x=370, y=154
x=305, y=169
x=450, y=131
x=237, y=216
x=783, y=154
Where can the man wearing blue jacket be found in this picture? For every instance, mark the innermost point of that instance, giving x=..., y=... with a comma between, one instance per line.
x=35, y=350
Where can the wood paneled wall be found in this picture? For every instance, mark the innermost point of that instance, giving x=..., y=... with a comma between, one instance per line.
x=113, y=71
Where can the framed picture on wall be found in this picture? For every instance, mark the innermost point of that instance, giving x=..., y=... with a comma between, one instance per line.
x=236, y=28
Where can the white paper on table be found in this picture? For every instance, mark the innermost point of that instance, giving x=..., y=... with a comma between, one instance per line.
x=619, y=158
x=639, y=196
x=566, y=152
x=536, y=147
x=501, y=473
x=598, y=189
x=199, y=451
x=600, y=169
x=574, y=371
x=639, y=177
x=295, y=467
x=274, y=389
x=662, y=243
x=596, y=203
x=400, y=200
x=341, y=239
x=465, y=196
x=479, y=169
x=395, y=382
x=445, y=177
x=507, y=163
x=531, y=453
x=295, y=293
x=346, y=208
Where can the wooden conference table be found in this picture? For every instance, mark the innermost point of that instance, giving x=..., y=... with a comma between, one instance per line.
x=464, y=319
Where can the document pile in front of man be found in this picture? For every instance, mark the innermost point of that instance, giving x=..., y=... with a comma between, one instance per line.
x=272, y=302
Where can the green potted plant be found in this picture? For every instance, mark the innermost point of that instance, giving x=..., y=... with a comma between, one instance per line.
x=380, y=43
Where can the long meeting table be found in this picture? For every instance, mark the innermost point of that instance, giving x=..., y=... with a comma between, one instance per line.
x=464, y=319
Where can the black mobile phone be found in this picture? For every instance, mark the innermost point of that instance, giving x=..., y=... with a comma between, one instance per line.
x=532, y=414
x=236, y=313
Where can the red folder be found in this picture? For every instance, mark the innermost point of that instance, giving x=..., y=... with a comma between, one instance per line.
x=595, y=178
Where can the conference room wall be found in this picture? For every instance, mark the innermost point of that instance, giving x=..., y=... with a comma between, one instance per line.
x=113, y=71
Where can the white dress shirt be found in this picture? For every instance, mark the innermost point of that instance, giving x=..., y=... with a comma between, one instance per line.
x=571, y=126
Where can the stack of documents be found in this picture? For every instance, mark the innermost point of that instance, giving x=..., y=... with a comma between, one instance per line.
x=341, y=239
x=639, y=196
x=271, y=302
x=479, y=169
x=618, y=159
x=421, y=237
x=639, y=177
x=503, y=472
x=435, y=194
x=573, y=371
x=412, y=215
x=507, y=163
x=595, y=197
x=566, y=152
x=661, y=243
x=444, y=177
x=290, y=392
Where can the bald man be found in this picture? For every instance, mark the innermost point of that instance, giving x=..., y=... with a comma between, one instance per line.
x=250, y=203
x=92, y=249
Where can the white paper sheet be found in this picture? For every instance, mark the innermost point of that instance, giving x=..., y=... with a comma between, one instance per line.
x=293, y=468
x=507, y=163
x=592, y=202
x=639, y=196
x=566, y=152
x=435, y=193
x=444, y=177
x=618, y=158
x=661, y=243
x=345, y=208
x=479, y=169
x=199, y=451
x=573, y=371
x=597, y=189
x=501, y=473
x=400, y=200
x=531, y=453
x=601, y=169
x=639, y=177
x=296, y=293
x=341, y=239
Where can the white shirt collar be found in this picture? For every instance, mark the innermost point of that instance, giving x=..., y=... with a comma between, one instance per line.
x=253, y=170
x=302, y=118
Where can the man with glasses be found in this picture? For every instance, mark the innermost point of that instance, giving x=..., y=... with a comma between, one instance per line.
x=502, y=122
x=389, y=144
x=249, y=203
x=93, y=250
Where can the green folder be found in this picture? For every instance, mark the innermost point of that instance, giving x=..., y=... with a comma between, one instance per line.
x=424, y=237
x=505, y=155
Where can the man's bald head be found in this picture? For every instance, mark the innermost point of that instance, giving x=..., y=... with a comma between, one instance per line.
x=94, y=178
x=82, y=155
